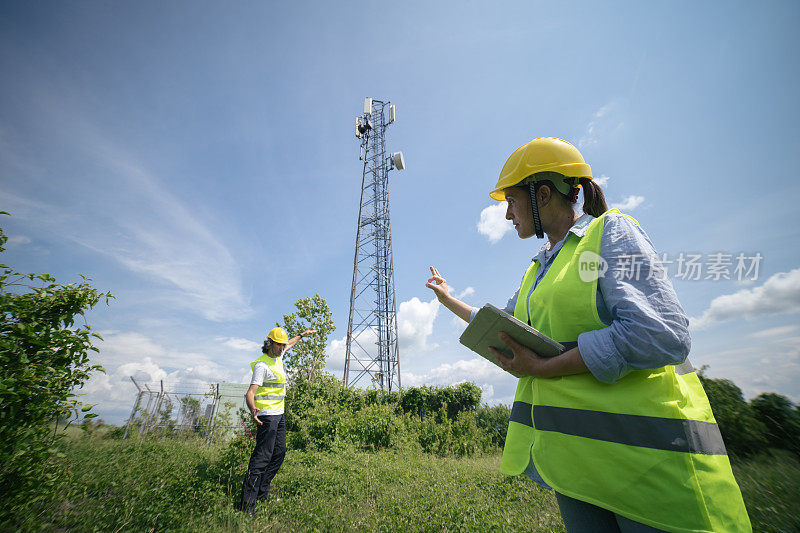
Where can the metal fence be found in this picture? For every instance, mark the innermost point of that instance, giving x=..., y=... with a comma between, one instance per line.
x=208, y=410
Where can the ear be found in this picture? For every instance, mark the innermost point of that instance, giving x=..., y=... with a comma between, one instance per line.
x=543, y=194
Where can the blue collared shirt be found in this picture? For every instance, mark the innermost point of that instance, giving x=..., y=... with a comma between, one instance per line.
x=646, y=326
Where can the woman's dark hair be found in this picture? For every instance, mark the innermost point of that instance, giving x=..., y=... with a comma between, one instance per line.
x=594, y=201
x=267, y=344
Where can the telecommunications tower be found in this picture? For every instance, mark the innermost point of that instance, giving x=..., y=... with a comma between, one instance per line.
x=372, y=326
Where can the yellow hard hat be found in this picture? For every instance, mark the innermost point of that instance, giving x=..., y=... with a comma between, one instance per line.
x=545, y=154
x=278, y=335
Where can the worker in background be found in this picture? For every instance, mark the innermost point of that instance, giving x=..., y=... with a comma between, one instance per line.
x=265, y=400
x=619, y=424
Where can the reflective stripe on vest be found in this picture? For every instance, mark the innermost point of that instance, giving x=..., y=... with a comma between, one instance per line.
x=521, y=413
x=260, y=397
x=674, y=434
x=274, y=384
x=690, y=436
x=641, y=447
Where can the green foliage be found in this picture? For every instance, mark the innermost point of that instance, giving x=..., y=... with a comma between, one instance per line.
x=744, y=434
x=307, y=358
x=44, y=357
x=494, y=421
x=780, y=416
x=423, y=400
x=323, y=414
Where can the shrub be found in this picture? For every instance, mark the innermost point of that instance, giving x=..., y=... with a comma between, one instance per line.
x=44, y=358
x=374, y=427
x=326, y=415
x=781, y=419
x=467, y=437
x=743, y=433
x=494, y=422
x=457, y=398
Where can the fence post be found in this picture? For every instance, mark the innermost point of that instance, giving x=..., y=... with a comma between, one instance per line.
x=139, y=395
x=210, y=430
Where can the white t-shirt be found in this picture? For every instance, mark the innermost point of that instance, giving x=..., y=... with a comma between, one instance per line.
x=262, y=373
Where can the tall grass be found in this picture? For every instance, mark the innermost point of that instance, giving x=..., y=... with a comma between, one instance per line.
x=176, y=485
x=771, y=489
x=141, y=485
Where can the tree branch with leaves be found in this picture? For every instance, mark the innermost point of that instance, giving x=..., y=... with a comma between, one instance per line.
x=307, y=358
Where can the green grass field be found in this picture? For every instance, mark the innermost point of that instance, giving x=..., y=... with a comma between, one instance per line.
x=141, y=485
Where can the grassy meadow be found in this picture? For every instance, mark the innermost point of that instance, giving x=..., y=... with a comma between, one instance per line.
x=182, y=485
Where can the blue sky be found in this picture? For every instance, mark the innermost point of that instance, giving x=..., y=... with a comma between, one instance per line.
x=198, y=161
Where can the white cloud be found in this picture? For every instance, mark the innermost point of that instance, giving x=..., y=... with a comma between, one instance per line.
x=629, y=203
x=602, y=123
x=602, y=180
x=18, y=240
x=493, y=222
x=239, y=344
x=335, y=354
x=766, y=365
x=131, y=354
x=475, y=370
x=415, y=324
x=780, y=294
x=772, y=333
x=469, y=291
x=415, y=320
x=137, y=222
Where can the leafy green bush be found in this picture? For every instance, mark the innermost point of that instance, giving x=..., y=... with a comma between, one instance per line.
x=781, y=419
x=457, y=398
x=373, y=427
x=493, y=420
x=322, y=414
x=743, y=433
x=44, y=358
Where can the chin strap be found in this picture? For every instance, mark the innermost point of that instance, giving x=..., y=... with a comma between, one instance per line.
x=537, y=224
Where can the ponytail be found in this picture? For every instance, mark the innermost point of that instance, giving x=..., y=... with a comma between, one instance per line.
x=594, y=201
x=267, y=345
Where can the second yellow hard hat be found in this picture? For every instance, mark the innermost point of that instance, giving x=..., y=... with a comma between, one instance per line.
x=278, y=335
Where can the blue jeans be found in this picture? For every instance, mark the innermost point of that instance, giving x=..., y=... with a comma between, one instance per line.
x=580, y=516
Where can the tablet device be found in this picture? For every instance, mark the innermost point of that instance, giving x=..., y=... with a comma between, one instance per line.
x=489, y=321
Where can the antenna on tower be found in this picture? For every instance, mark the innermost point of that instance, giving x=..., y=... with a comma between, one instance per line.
x=372, y=325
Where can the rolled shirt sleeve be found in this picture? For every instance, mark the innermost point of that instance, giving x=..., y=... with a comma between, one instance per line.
x=648, y=328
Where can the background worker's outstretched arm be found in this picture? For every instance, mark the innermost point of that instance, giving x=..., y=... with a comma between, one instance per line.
x=294, y=340
x=439, y=286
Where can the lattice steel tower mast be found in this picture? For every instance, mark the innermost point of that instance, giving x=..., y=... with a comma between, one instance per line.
x=372, y=326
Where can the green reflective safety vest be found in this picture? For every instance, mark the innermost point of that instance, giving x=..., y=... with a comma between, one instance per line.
x=270, y=394
x=646, y=447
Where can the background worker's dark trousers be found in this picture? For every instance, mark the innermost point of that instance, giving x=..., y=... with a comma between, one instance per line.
x=265, y=460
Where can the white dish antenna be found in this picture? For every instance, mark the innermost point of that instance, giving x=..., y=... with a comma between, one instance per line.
x=367, y=106
x=397, y=161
